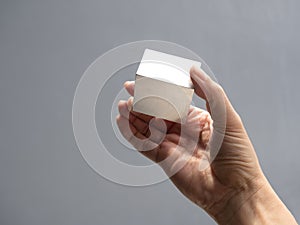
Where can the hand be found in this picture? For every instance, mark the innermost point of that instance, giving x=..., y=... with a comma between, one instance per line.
x=231, y=187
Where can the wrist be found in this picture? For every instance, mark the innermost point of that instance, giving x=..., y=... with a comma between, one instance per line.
x=256, y=203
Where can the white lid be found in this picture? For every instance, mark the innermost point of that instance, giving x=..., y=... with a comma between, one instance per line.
x=166, y=67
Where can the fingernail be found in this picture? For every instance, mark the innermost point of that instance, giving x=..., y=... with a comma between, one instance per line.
x=130, y=103
x=127, y=83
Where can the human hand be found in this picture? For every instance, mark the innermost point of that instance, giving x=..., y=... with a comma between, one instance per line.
x=225, y=188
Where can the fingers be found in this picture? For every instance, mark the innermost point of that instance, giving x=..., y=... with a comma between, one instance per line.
x=155, y=152
x=132, y=135
x=155, y=129
x=144, y=133
x=139, y=128
x=129, y=86
x=199, y=122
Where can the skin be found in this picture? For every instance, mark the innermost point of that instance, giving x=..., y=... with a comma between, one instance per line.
x=232, y=188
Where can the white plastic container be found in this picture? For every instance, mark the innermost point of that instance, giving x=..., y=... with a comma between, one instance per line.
x=163, y=87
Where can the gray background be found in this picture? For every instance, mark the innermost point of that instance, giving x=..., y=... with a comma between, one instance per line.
x=45, y=46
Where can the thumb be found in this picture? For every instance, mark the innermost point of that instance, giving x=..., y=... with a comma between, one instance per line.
x=217, y=102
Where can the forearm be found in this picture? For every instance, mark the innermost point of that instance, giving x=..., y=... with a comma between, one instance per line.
x=262, y=206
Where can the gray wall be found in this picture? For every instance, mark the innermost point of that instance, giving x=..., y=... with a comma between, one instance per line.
x=45, y=46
